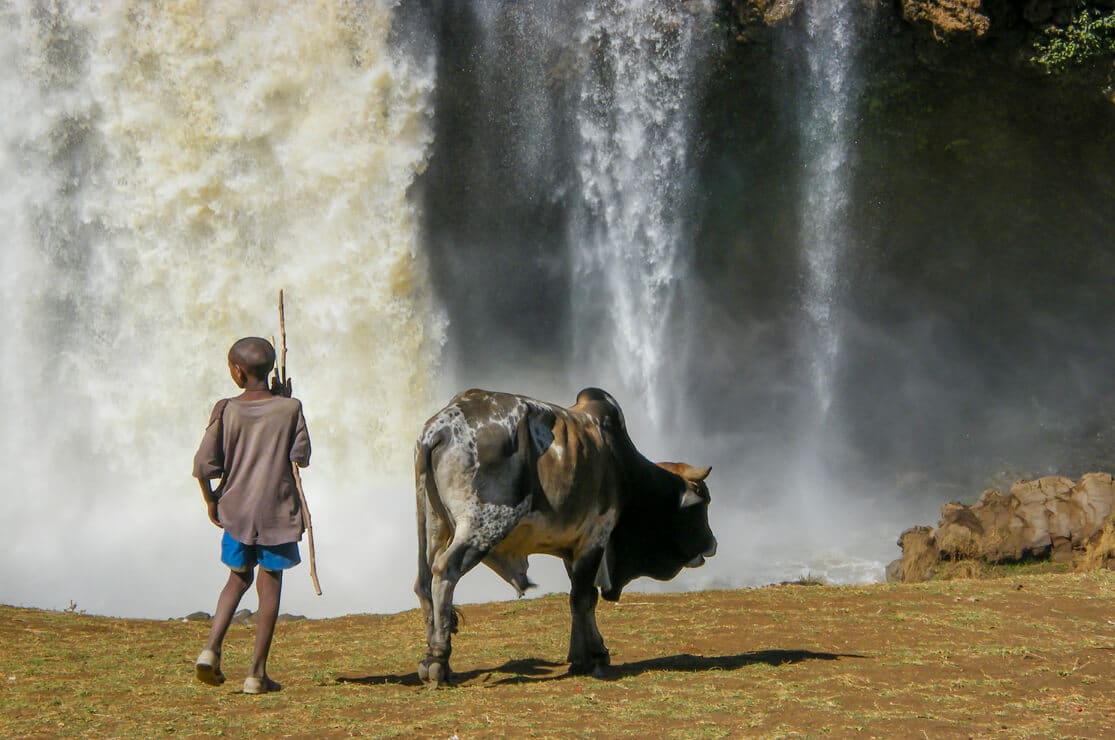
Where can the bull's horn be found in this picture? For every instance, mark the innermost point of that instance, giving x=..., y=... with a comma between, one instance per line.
x=692, y=473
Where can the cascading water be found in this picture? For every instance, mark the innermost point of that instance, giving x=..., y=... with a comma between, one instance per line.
x=829, y=100
x=827, y=115
x=167, y=169
x=795, y=514
x=629, y=241
x=559, y=193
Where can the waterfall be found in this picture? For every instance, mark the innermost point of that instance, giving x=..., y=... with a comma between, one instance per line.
x=538, y=172
x=819, y=500
x=630, y=241
x=168, y=167
x=829, y=99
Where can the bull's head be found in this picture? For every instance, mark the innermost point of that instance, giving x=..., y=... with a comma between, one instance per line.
x=696, y=531
x=662, y=530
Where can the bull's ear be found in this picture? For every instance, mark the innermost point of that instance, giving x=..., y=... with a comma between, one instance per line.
x=689, y=498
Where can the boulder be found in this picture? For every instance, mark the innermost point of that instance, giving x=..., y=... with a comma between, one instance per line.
x=920, y=554
x=1052, y=517
x=1095, y=496
x=1099, y=548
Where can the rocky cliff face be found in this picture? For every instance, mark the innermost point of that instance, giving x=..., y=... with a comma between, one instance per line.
x=978, y=18
x=1025, y=27
x=945, y=19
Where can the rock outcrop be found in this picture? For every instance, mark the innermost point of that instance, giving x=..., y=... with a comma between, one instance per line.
x=767, y=12
x=1051, y=517
x=947, y=18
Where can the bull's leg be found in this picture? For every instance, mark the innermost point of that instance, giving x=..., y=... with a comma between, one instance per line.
x=431, y=538
x=447, y=568
x=587, y=652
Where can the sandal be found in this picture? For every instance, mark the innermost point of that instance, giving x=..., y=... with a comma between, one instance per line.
x=208, y=668
x=254, y=685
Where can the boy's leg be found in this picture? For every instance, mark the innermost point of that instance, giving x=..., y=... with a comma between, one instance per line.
x=269, y=585
x=207, y=668
x=237, y=585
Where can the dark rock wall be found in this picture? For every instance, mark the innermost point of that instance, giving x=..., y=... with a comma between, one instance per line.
x=978, y=289
x=944, y=19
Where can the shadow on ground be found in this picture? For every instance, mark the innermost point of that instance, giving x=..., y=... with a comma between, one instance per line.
x=533, y=670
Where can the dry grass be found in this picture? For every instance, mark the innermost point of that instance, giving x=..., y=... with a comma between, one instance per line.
x=958, y=569
x=1025, y=656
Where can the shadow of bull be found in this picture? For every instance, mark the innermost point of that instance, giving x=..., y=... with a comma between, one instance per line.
x=535, y=670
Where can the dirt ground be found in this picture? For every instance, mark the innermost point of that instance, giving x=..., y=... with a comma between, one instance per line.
x=1025, y=656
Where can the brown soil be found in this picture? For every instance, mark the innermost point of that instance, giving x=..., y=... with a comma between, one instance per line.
x=1032, y=655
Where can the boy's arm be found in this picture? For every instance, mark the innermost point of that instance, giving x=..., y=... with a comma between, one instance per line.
x=210, y=501
x=300, y=446
x=210, y=459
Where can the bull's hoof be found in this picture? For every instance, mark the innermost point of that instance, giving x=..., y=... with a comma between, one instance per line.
x=581, y=669
x=595, y=670
x=438, y=675
x=595, y=665
x=433, y=673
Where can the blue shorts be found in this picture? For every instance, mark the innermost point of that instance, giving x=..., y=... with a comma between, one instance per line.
x=240, y=557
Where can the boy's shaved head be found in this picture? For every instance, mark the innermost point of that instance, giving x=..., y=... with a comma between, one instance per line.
x=255, y=355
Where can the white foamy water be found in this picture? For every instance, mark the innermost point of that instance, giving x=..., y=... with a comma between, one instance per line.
x=167, y=169
x=629, y=242
x=761, y=546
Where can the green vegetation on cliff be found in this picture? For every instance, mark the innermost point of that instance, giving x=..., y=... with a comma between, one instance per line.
x=1091, y=34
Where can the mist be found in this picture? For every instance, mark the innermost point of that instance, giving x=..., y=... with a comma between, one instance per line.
x=486, y=195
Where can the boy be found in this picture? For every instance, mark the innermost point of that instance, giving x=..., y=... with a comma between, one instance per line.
x=249, y=444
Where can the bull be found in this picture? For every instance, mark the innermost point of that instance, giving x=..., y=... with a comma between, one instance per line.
x=499, y=477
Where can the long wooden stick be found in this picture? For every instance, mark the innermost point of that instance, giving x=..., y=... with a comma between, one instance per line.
x=282, y=337
x=293, y=465
x=309, y=526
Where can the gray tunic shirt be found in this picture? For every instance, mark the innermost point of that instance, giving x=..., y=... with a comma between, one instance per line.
x=252, y=448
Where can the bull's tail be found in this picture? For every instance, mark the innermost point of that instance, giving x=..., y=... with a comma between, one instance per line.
x=428, y=503
x=423, y=482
